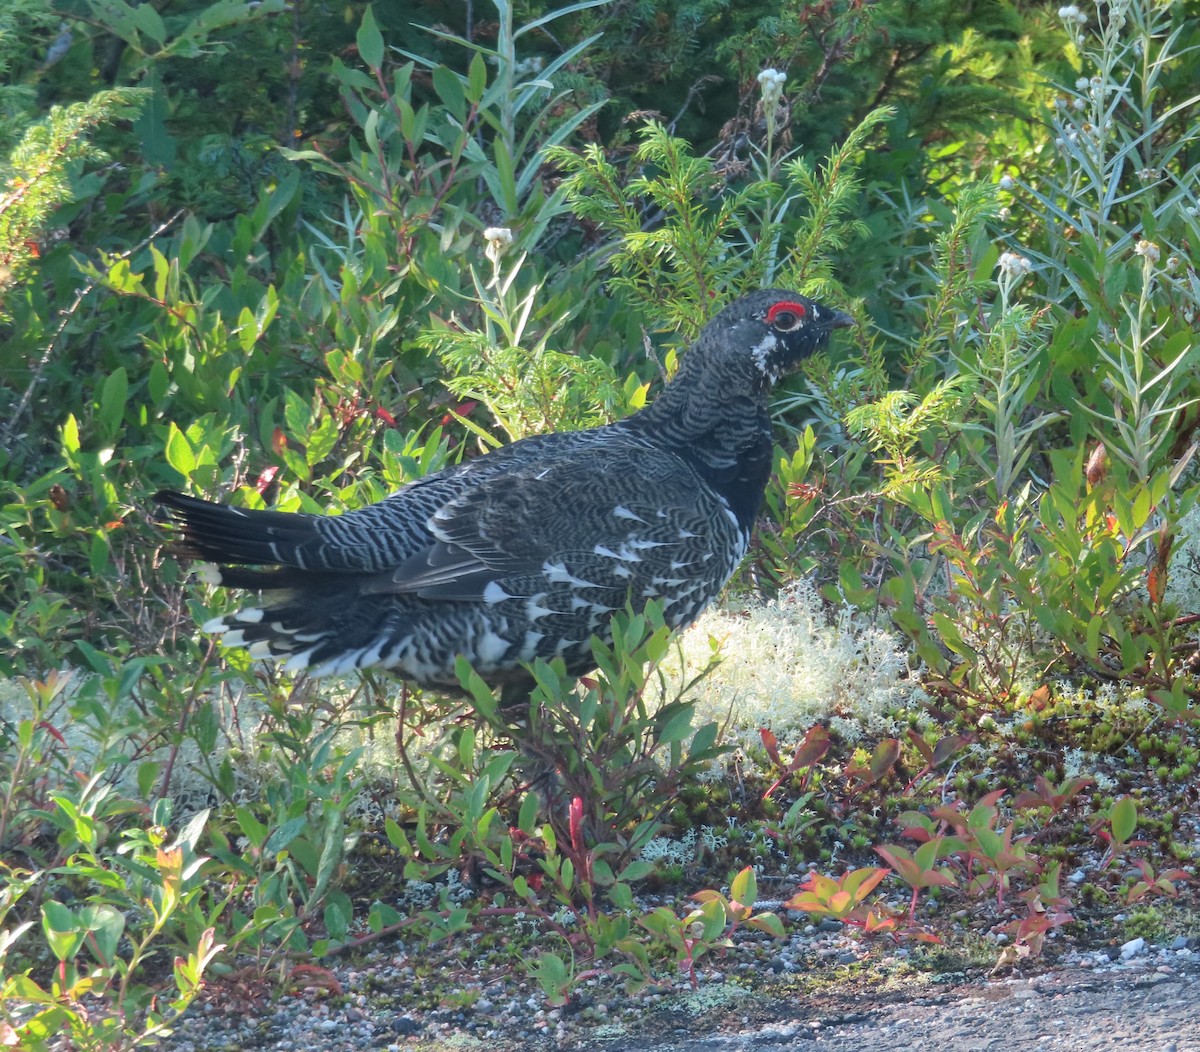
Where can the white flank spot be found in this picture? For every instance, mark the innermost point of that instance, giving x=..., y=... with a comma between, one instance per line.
x=622, y=512
x=209, y=573
x=625, y=554
x=493, y=594
x=214, y=626
x=532, y=639
x=491, y=648
x=685, y=535
x=679, y=564
x=233, y=637
x=534, y=610
x=334, y=667
x=251, y=615
x=730, y=515
x=622, y=571
x=259, y=650
x=370, y=657
x=557, y=573
x=640, y=545
x=299, y=662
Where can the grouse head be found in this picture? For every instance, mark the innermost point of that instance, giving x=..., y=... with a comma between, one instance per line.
x=741, y=353
x=765, y=335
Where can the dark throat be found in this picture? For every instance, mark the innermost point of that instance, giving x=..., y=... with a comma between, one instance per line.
x=730, y=449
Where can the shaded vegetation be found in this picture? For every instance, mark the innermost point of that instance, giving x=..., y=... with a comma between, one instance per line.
x=296, y=257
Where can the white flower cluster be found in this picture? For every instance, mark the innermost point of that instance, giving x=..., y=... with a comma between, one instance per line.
x=499, y=239
x=771, y=81
x=534, y=64
x=1070, y=13
x=1148, y=250
x=1013, y=265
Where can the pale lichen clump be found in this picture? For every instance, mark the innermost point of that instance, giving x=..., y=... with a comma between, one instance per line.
x=786, y=664
x=1183, y=582
x=683, y=851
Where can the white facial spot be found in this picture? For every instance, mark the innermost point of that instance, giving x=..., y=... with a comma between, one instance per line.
x=761, y=353
x=621, y=512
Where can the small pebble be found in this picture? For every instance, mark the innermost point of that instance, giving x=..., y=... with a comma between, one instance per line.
x=1132, y=948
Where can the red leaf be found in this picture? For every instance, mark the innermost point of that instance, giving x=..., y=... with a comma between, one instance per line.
x=815, y=745
x=921, y=745
x=49, y=728
x=771, y=744
x=884, y=758
x=263, y=482
x=1156, y=583
x=576, y=822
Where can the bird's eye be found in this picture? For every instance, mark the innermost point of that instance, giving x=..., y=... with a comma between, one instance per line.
x=786, y=317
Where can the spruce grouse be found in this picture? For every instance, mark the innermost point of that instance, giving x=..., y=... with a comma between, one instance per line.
x=527, y=551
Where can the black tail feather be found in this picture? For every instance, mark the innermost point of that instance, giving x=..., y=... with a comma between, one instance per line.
x=221, y=534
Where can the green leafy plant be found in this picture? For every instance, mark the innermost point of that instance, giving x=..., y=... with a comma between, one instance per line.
x=846, y=899
x=710, y=926
x=919, y=869
x=105, y=1000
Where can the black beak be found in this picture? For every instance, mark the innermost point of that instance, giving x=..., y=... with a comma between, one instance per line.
x=840, y=320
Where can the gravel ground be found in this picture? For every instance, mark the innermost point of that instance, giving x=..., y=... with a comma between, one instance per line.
x=1137, y=997
x=1071, y=1010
